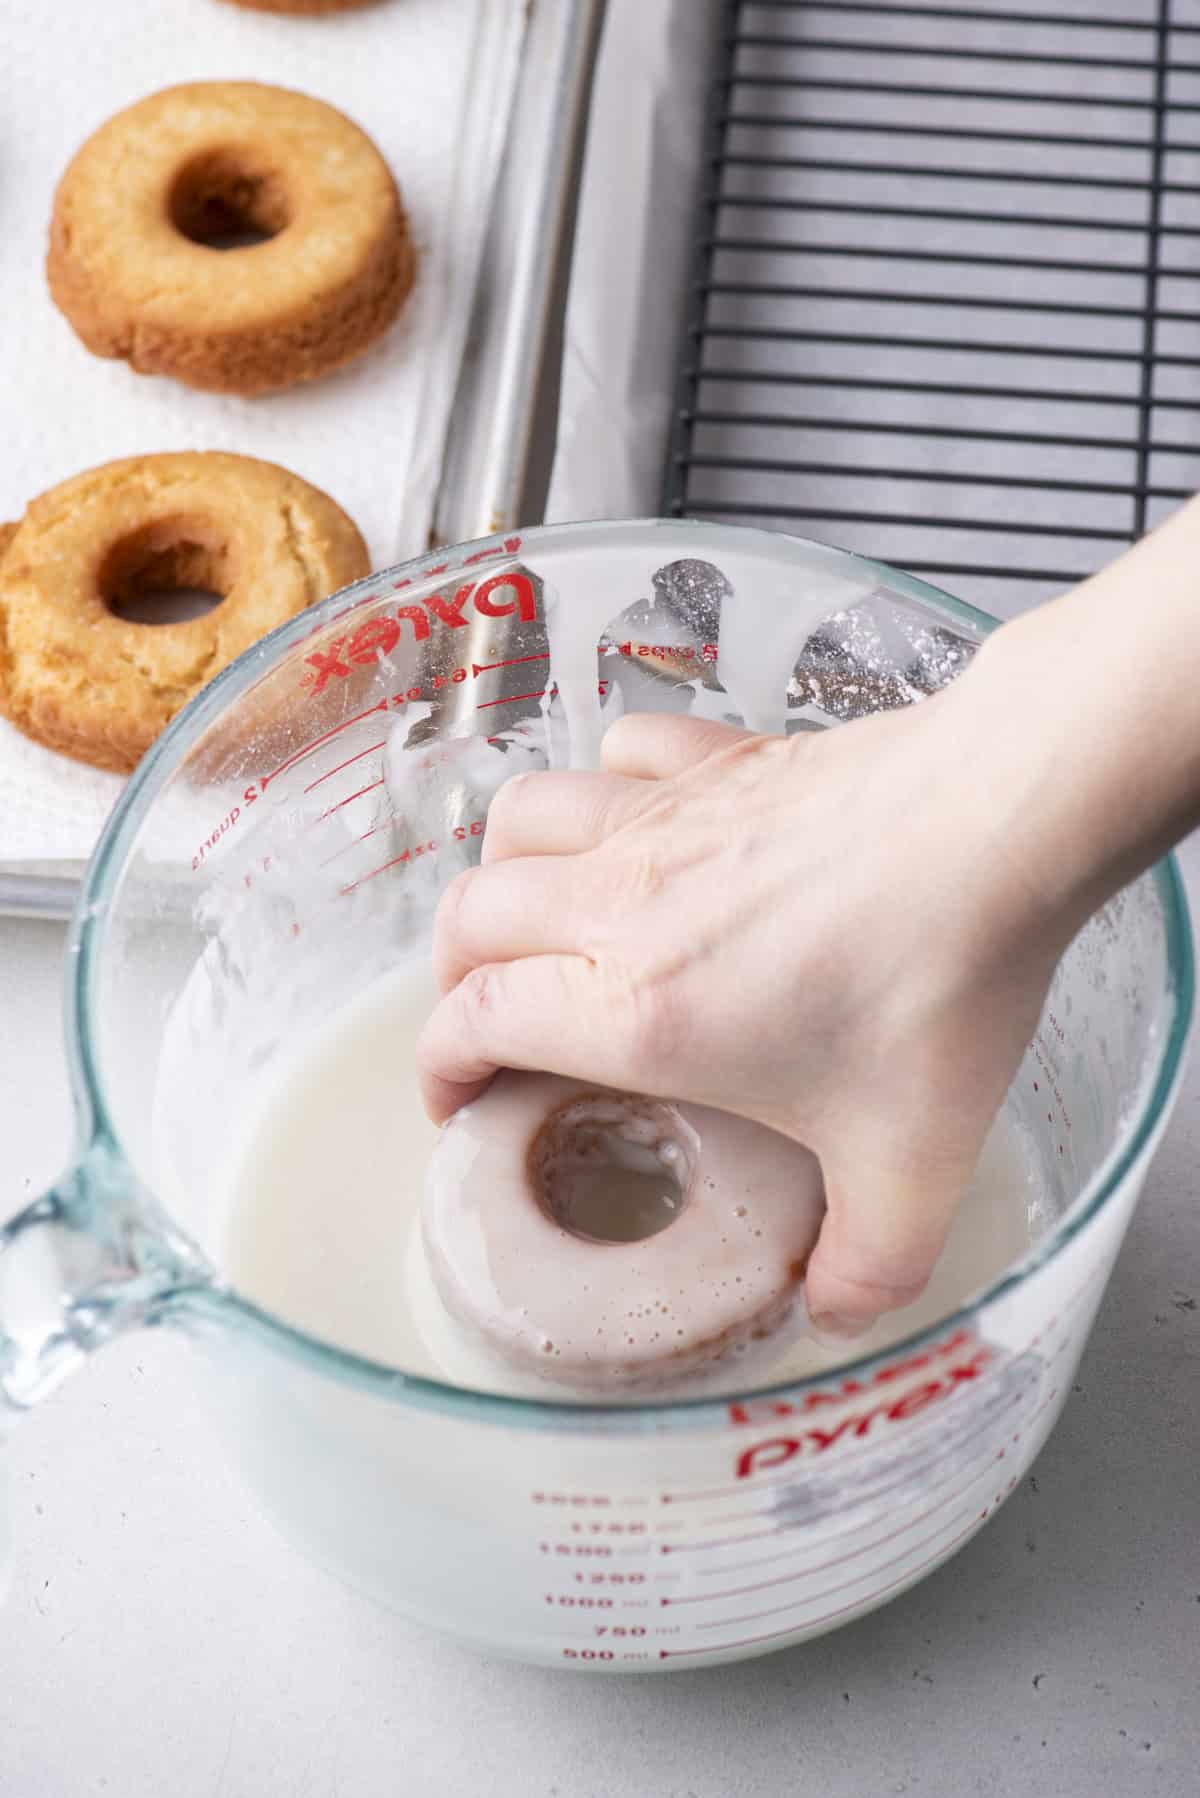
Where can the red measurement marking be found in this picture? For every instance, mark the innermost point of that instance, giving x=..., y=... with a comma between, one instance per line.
x=350, y=797
x=786, y=1554
x=842, y=1586
x=354, y=885
x=827, y=1617
x=976, y=1517
x=510, y=700
x=381, y=705
x=800, y=1523
x=478, y=668
x=1048, y=1400
x=346, y=764
x=823, y=1566
x=354, y=841
x=967, y=1437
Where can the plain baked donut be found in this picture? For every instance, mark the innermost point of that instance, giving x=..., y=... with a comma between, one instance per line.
x=80, y=679
x=132, y=264
x=600, y=1312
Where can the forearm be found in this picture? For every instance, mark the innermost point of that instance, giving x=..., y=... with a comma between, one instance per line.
x=1087, y=713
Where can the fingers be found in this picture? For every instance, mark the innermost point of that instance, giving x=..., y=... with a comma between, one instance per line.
x=510, y=909
x=547, y=1013
x=655, y=745
x=556, y=813
x=889, y=1212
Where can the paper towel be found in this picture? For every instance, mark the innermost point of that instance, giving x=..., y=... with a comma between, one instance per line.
x=431, y=82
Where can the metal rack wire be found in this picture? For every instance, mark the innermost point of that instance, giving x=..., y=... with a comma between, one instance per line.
x=946, y=298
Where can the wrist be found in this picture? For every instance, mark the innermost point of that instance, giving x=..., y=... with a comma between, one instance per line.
x=1035, y=777
x=1088, y=737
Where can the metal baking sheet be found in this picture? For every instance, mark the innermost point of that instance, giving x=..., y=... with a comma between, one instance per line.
x=490, y=439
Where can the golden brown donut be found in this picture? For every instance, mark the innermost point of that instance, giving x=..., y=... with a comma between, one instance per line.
x=80, y=679
x=132, y=263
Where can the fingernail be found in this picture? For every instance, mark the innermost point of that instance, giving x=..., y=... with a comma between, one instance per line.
x=832, y=1323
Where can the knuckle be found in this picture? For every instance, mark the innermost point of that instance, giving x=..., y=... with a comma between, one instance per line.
x=655, y=1025
x=478, y=994
x=596, y=816
x=508, y=800
x=452, y=906
x=745, y=757
x=642, y=879
x=622, y=735
x=450, y=927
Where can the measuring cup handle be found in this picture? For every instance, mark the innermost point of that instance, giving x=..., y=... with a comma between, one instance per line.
x=81, y=1264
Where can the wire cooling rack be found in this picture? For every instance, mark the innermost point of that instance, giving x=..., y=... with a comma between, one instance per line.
x=946, y=296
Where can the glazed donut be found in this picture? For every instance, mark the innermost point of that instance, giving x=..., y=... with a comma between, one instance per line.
x=79, y=678
x=605, y=1241
x=132, y=262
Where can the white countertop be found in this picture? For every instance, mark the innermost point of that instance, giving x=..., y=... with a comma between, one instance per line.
x=159, y=1638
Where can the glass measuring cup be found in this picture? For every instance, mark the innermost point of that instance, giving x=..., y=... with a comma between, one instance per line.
x=279, y=849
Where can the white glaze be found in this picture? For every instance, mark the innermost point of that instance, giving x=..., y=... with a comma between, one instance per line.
x=515, y=1279
x=326, y=1183
x=610, y=1315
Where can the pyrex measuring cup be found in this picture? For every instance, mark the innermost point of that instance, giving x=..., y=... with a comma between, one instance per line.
x=282, y=846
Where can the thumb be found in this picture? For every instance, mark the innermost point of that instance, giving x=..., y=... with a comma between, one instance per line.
x=890, y=1201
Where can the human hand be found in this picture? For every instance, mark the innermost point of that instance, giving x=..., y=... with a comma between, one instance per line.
x=846, y=936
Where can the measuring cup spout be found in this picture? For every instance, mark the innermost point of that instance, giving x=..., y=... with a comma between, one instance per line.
x=83, y=1263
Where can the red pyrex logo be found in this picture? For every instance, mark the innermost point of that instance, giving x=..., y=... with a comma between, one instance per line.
x=500, y=596
x=951, y=1364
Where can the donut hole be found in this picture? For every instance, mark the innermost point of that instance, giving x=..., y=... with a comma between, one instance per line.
x=221, y=201
x=613, y=1168
x=166, y=573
